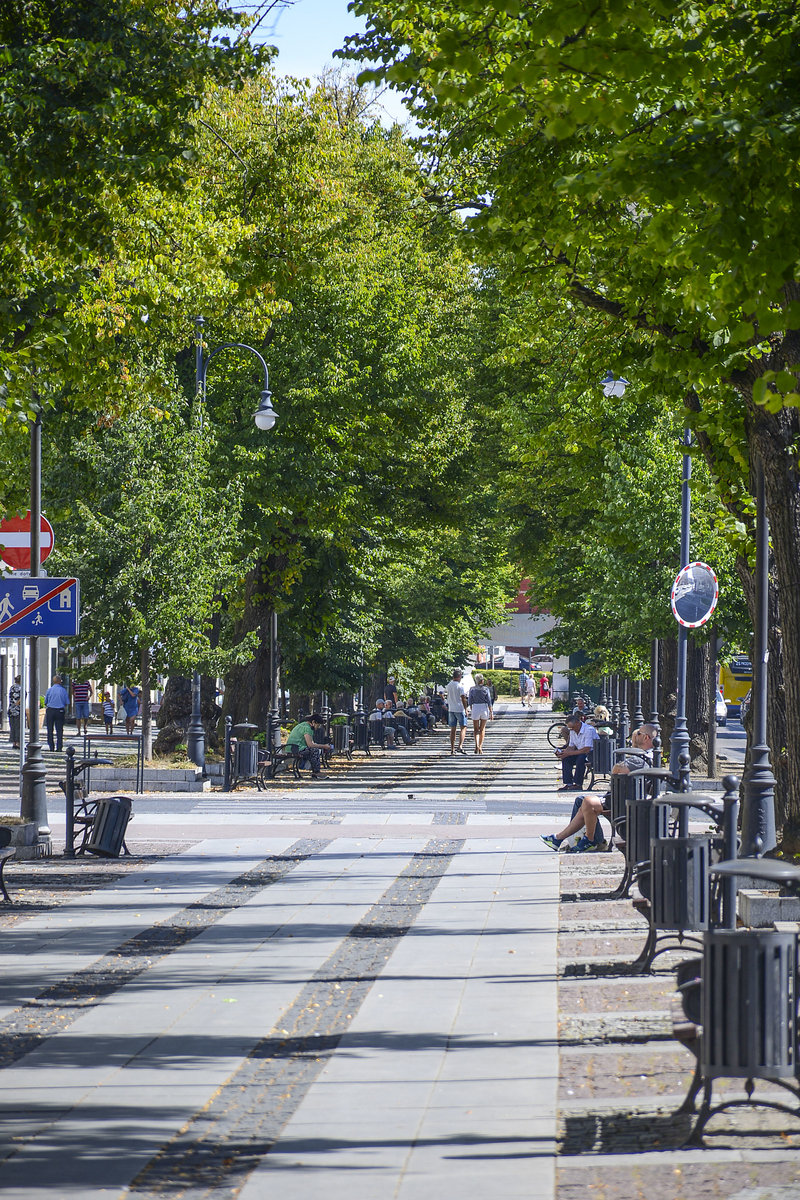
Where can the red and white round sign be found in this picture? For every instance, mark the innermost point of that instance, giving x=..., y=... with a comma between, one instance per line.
x=15, y=538
x=694, y=596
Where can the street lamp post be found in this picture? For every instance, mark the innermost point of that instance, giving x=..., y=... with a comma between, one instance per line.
x=679, y=741
x=654, y=719
x=758, y=807
x=264, y=418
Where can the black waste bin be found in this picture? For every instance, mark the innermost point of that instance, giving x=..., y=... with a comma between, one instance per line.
x=340, y=736
x=246, y=760
x=110, y=823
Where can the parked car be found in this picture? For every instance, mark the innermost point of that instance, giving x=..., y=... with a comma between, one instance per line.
x=744, y=706
x=722, y=709
x=542, y=662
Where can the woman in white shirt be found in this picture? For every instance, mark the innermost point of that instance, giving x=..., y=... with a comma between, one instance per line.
x=480, y=701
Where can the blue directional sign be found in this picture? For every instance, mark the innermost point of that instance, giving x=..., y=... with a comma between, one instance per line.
x=40, y=607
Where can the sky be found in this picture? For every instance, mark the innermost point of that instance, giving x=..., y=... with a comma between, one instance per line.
x=307, y=32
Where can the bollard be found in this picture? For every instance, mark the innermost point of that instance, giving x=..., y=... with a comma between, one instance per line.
x=69, y=847
x=730, y=822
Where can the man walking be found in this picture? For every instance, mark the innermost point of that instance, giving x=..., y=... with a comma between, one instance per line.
x=457, y=711
x=55, y=707
x=81, y=694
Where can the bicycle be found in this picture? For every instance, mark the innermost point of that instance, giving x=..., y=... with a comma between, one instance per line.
x=555, y=733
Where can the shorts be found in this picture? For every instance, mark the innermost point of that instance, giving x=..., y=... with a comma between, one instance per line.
x=456, y=718
x=82, y=710
x=480, y=712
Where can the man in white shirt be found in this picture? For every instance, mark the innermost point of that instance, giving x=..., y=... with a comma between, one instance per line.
x=457, y=711
x=574, y=755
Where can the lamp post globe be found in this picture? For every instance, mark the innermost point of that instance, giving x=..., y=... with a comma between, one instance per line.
x=265, y=415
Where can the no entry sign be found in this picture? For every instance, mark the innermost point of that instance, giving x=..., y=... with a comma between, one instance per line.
x=15, y=538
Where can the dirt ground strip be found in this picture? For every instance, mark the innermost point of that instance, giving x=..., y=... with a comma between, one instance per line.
x=623, y=1077
x=40, y=885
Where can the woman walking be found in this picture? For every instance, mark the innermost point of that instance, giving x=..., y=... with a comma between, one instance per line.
x=480, y=701
x=544, y=690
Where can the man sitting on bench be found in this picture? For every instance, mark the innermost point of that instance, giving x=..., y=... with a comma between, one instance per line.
x=587, y=808
x=300, y=742
x=574, y=755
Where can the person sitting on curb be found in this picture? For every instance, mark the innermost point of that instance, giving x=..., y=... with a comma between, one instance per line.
x=307, y=750
x=573, y=756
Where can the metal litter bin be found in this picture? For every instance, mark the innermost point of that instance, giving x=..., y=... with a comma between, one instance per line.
x=246, y=760
x=110, y=823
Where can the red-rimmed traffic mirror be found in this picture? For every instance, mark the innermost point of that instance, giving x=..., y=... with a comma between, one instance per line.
x=694, y=595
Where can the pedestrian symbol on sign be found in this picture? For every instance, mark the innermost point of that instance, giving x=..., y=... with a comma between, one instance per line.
x=6, y=608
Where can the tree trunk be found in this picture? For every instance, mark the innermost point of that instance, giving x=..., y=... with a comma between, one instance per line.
x=697, y=685
x=175, y=712
x=247, y=687
x=776, y=439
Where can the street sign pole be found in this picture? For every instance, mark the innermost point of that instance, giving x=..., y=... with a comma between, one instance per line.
x=33, y=802
x=679, y=739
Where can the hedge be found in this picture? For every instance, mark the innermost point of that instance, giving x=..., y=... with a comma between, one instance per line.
x=507, y=681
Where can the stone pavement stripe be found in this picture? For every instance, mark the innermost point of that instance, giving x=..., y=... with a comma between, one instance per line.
x=445, y=1084
x=105, y=1096
x=223, y=1144
x=56, y=1007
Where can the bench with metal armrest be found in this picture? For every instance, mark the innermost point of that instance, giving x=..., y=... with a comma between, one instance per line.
x=737, y=1011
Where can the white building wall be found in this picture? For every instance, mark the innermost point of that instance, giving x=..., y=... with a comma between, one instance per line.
x=526, y=629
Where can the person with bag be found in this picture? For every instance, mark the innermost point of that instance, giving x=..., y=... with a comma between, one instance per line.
x=480, y=701
x=14, y=704
x=130, y=697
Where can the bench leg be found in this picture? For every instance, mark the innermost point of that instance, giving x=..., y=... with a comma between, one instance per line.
x=3, y=887
x=689, y=1104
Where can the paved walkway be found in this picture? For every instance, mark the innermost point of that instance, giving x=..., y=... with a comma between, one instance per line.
x=383, y=986
x=365, y=1010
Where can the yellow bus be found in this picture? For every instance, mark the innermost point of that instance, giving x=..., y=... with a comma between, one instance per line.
x=736, y=679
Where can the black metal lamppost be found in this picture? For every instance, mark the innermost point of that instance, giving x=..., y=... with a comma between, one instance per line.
x=758, y=792
x=679, y=741
x=264, y=417
x=654, y=686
